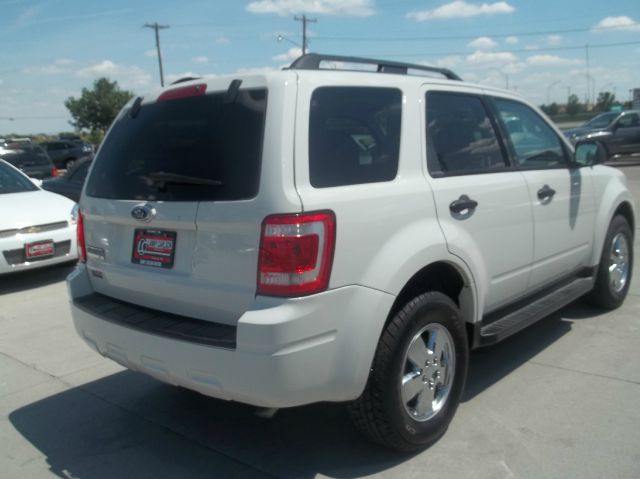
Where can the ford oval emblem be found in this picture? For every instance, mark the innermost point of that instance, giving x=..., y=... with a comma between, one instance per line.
x=143, y=213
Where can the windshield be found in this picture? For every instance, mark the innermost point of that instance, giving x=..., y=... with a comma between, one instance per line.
x=189, y=149
x=601, y=121
x=12, y=181
x=25, y=155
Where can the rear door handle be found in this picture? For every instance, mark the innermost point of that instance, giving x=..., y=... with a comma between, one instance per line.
x=546, y=192
x=463, y=203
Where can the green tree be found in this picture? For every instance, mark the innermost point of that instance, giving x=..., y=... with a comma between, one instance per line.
x=605, y=101
x=574, y=106
x=96, y=109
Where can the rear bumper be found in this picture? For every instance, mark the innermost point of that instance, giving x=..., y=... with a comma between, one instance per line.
x=287, y=352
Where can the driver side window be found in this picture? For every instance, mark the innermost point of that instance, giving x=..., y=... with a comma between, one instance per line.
x=534, y=142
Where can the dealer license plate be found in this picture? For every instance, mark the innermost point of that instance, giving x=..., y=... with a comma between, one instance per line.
x=41, y=249
x=154, y=248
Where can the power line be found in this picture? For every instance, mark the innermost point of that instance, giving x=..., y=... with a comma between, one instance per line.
x=518, y=50
x=157, y=27
x=467, y=37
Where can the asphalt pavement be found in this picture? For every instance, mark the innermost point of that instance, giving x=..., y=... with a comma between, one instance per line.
x=558, y=400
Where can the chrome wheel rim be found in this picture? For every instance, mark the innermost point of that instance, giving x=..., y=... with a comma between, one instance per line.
x=619, y=262
x=428, y=370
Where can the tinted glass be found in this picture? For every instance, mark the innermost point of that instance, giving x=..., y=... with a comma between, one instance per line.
x=460, y=135
x=602, y=120
x=13, y=182
x=79, y=172
x=629, y=121
x=354, y=135
x=26, y=155
x=162, y=152
x=534, y=142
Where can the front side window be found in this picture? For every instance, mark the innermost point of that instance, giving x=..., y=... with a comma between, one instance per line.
x=534, y=142
x=460, y=136
x=354, y=135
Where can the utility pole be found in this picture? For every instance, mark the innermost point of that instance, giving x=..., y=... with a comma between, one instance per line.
x=586, y=51
x=157, y=27
x=304, y=19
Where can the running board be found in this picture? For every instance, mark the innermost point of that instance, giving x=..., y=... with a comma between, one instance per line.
x=517, y=320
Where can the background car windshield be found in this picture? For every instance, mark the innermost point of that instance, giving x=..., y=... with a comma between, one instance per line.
x=13, y=182
x=601, y=121
x=200, y=137
x=26, y=155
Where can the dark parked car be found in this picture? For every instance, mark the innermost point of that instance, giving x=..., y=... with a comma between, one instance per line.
x=64, y=153
x=30, y=158
x=619, y=133
x=71, y=184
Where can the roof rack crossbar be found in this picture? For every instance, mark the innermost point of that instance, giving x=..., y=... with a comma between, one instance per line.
x=312, y=61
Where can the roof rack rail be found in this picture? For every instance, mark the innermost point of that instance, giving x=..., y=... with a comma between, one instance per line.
x=312, y=61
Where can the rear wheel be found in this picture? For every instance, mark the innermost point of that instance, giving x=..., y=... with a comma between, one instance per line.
x=615, y=268
x=418, y=375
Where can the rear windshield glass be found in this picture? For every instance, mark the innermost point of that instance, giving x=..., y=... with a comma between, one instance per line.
x=13, y=182
x=354, y=135
x=26, y=155
x=189, y=149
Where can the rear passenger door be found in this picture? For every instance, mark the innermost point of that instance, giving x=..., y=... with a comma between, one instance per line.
x=626, y=134
x=561, y=193
x=483, y=204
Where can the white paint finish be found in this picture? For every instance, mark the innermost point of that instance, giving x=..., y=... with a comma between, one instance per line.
x=564, y=224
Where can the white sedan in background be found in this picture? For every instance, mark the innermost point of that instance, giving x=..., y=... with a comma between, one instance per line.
x=37, y=228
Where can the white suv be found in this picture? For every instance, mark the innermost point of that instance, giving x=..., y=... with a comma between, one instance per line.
x=321, y=235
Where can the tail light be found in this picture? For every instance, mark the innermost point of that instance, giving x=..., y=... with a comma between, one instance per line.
x=82, y=249
x=54, y=171
x=296, y=253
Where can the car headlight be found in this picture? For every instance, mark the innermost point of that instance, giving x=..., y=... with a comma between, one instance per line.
x=74, y=214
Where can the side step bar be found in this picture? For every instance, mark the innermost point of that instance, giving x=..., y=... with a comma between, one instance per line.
x=515, y=321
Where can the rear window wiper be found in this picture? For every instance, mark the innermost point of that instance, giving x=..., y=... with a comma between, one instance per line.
x=162, y=178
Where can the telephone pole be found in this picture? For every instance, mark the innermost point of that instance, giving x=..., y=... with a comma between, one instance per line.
x=304, y=19
x=157, y=27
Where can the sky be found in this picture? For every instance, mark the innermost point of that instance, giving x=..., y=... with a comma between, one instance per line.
x=51, y=49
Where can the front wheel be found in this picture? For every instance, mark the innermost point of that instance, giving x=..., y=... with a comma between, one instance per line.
x=418, y=375
x=615, y=267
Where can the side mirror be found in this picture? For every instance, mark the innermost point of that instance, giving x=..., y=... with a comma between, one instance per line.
x=589, y=153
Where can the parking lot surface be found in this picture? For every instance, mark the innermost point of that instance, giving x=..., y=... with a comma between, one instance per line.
x=558, y=400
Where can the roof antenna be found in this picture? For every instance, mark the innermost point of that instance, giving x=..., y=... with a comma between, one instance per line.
x=232, y=91
x=135, y=108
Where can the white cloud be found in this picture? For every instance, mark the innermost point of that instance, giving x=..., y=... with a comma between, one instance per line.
x=482, y=43
x=151, y=53
x=554, y=39
x=617, y=23
x=58, y=66
x=551, y=60
x=461, y=9
x=128, y=76
x=201, y=60
x=290, y=55
x=481, y=57
x=359, y=8
x=255, y=70
x=511, y=40
x=447, y=62
x=222, y=40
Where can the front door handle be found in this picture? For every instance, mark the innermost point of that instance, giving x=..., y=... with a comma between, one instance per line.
x=546, y=193
x=463, y=203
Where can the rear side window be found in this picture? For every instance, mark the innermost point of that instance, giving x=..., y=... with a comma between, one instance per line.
x=460, y=136
x=198, y=148
x=354, y=135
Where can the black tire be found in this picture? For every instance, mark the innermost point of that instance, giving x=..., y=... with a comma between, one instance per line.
x=605, y=294
x=380, y=412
